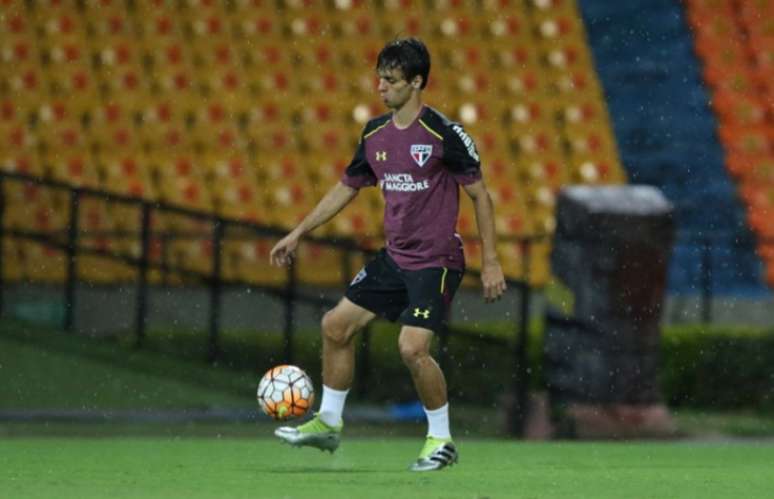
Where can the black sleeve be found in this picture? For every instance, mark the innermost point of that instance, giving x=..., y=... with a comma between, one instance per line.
x=359, y=173
x=459, y=152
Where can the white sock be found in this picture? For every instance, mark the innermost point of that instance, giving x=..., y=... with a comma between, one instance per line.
x=332, y=405
x=438, y=422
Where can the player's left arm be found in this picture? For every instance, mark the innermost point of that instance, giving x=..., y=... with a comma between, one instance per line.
x=492, y=276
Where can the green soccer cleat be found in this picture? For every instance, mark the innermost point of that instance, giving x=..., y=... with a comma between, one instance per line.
x=313, y=433
x=436, y=454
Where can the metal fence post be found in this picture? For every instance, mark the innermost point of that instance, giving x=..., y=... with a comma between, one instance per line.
x=142, y=275
x=71, y=278
x=290, y=310
x=363, y=364
x=521, y=368
x=706, y=281
x=215, y=291
x=2, y=242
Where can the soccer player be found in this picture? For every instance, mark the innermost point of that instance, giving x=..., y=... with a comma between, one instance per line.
x=418, y=158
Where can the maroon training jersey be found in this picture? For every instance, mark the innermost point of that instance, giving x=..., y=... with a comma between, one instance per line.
x=418, y=169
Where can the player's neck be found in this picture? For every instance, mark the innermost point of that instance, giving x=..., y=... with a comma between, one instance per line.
x=405, y=116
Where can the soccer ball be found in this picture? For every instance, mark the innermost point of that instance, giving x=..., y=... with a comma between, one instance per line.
x=285, y=392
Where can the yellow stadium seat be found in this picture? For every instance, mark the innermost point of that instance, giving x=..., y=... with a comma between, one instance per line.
x=596, y=169
x=104, y=270
x=320, y=265
x=76, y=169
x=539, y=265
x=42, y=263
x=247, y=259
x=270, y=140
x=253, y=110
x=512, y=258
x=549, y=170
x=127, y=173
x=13, y=270
x=536, y=141
x=187, y=192
x=588, y=141
x=15, y=162
x=193, y=254
x=499, y=168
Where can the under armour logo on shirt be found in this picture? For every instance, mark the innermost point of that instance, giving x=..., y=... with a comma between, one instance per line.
x=381, y=155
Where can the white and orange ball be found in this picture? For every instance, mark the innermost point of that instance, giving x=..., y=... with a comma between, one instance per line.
x=285, y=392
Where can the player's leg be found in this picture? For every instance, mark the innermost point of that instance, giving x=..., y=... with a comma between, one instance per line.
x=430, y=295
x=429, y=381
x=439, y=450
x=339, y=327
x=378, y=289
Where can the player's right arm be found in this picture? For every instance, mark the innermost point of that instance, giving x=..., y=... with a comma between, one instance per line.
x=357, y=175
x=333, y=202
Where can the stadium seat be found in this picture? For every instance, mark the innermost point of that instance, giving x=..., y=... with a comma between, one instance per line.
x=746, y=140
x=739, y=109
x=41, y=263
x=144, y=84
x=549, y=170
x=745, y=166
x=512, y=257
x=126, y=174
x=321, y=265
x=247, y=259
x=13, y=270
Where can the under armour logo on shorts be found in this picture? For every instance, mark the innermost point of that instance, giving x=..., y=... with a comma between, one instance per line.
x=359, y=277
x=425, y=314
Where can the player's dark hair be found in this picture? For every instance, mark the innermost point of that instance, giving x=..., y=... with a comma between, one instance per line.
x=407, y=54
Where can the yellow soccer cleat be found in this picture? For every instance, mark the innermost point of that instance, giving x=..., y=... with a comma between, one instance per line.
x=313, y=433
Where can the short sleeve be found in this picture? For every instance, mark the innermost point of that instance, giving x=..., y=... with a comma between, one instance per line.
x=359, y=172
x=460, y=155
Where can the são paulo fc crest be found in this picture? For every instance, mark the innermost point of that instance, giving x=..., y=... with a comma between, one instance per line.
x=421, y=153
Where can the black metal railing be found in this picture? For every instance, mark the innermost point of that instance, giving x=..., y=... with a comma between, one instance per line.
x=70, y=241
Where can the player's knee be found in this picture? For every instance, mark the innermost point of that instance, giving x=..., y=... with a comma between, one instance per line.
x=337, y=329
x=412, y=350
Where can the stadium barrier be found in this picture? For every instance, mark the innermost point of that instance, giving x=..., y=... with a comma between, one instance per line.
x=71, y=240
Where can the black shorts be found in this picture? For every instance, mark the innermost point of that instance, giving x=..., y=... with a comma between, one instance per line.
x=412, y=297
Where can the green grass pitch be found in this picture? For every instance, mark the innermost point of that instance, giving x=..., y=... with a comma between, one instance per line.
x=376, y=468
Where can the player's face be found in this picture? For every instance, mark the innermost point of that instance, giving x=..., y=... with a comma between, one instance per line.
x=394, y=89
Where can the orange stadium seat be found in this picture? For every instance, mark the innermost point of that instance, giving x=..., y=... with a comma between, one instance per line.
x=743, y=165
x=716, y=23
x=725, y=51
x=739, y=109
x=737, y=79
x=763, y=53
x=746, y=140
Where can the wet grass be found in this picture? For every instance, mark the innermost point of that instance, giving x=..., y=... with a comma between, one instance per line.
x=376, y=468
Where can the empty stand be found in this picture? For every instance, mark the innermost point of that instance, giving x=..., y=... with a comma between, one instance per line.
x=734, y=41
x=251, y=110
